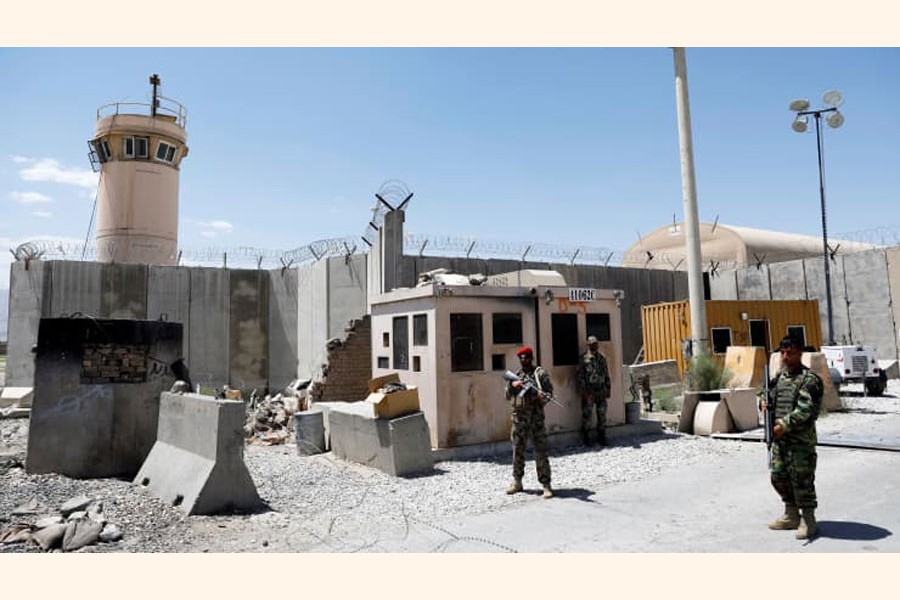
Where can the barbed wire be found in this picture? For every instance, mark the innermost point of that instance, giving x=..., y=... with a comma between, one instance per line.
x=416, y=244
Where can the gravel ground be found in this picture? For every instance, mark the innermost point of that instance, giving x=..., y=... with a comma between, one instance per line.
x=324, y=504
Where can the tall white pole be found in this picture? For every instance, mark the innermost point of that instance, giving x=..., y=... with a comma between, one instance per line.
x=699, y=341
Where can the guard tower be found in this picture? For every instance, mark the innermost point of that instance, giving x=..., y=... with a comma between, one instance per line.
x=138, y=149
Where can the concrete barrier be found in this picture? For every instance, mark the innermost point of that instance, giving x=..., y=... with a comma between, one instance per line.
x=712, y=417
x=815, y=361
x=309, y=431
x=16, y=396
x=197, y=462
x=399, y=447
x=746, y=365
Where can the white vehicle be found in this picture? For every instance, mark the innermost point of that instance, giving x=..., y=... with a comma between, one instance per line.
x=855, y=364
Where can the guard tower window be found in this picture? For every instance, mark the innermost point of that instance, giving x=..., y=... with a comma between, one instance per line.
x=597, y=324
x=165, y=152
x=135, y=147
x=466, y=345
x=721, y=339
x=141, y=147
x=102, y=149
x=507, y=328
x=565, y=339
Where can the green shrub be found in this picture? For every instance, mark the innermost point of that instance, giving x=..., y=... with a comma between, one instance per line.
x=705, y=373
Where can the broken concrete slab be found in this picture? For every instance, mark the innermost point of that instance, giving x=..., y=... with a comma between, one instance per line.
x=72, y=505
x=32, y=507
x=197, y=462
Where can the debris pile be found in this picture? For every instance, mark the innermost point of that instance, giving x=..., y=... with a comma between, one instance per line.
x=270, y=419
x=77, y=523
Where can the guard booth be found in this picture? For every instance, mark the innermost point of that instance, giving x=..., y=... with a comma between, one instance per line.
x=454, y=341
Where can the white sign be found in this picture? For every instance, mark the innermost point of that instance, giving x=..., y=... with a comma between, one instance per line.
x=582, y=294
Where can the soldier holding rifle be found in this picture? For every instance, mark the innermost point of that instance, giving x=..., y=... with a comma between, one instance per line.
x=527, y=395
x=792, y=406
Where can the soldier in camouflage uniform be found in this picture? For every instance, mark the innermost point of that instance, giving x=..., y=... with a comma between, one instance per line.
x=796, y=393
x=592, y=382
x=528, y=420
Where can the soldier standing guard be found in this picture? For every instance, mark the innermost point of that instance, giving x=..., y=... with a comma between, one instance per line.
x=797, y=396
x=592, y=381
x=528, y=420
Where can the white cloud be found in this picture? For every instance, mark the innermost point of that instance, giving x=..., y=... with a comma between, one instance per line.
x=29, y=197
x=210, y=229
x=19, y=159
x=42, y=214
x=48, y=169
x=223, y=226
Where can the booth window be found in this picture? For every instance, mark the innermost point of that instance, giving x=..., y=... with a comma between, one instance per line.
x=565, y=339
x=384, y=362
x=401, y=343
x=799, y=332
x=597, y=324
x=721, y=339
x=420, y=330
x=507, y=328
x=466, y=346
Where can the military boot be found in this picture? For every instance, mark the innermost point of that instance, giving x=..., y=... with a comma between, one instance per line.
x=548, y=491
x=601, y=437
x=586, y=437
x=808, y=527
x=514, y=487
x=789, y=520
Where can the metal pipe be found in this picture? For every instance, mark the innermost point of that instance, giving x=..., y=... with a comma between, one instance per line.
x=818, y=116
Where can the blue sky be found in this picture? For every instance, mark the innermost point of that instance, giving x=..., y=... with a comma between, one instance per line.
x=576, y=146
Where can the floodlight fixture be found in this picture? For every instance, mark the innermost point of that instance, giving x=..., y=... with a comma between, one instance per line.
x=832, y=98
x=799, y=104
x=800, y=124
x=835, y=119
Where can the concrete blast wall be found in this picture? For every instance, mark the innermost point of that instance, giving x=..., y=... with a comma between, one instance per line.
x=863, y=286
x=239, y=325
x=96, y=397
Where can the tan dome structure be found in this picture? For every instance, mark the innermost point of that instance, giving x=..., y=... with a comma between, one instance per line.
x=729, y=246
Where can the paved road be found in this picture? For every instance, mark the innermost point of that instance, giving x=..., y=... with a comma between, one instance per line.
x=721, y=506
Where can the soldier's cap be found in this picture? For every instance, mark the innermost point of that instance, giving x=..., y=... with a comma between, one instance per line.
x=525, y=351
x=592, y=339
x=791, y=341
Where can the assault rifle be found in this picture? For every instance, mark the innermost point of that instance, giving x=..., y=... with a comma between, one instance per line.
x=768, y=415
x=528, y=384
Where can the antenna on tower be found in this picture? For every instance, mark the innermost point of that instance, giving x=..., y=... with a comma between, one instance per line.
x=154, y=81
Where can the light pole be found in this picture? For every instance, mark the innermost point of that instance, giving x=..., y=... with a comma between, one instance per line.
x=834, y=119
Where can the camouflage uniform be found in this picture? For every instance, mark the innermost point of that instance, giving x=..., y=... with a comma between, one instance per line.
x=528, y=420
x=592, y=381
x=798, y=397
